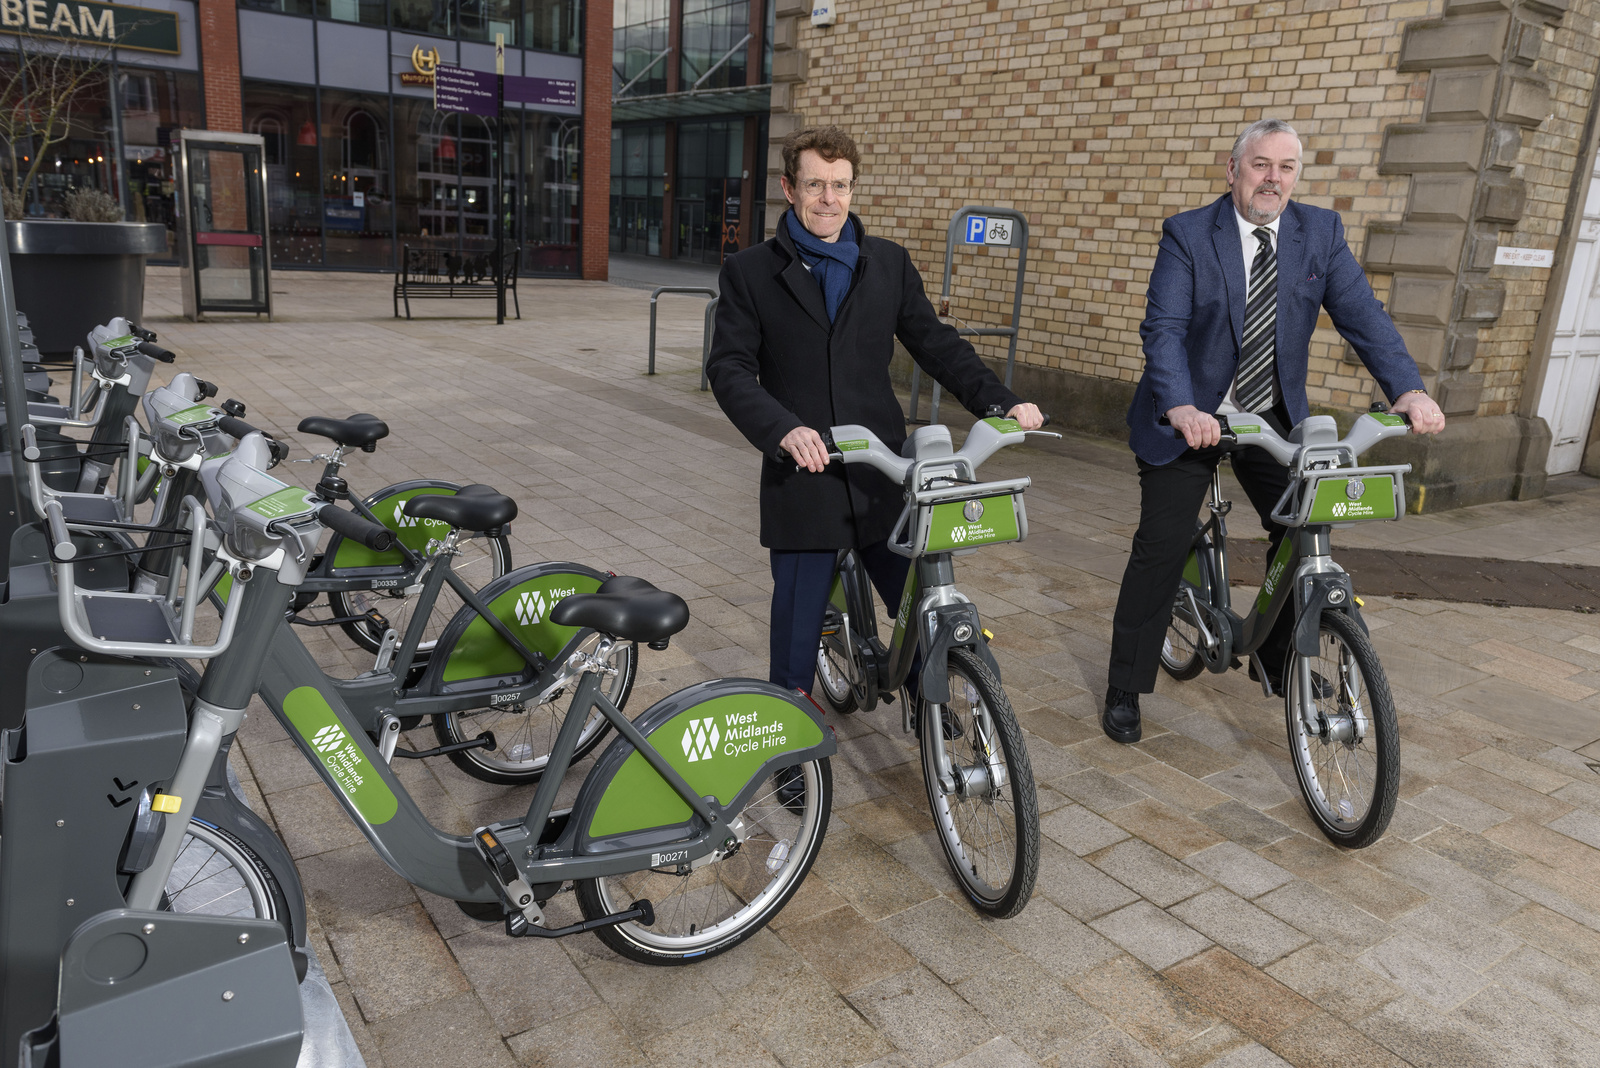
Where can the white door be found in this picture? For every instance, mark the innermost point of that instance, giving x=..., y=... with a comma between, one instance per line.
x=1572, y=379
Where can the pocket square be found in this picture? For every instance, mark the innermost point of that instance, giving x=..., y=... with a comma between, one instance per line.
x=1311, y=278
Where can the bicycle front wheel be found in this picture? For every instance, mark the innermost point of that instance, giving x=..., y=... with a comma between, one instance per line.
x=481, y=560
x=713, y=908
x=217, y=874
x=1180, y=646
x=525, y=734
x=988, y=825
x=836, y=665
x=1348, y=758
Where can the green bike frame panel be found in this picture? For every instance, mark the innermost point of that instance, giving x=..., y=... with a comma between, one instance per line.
x=1191, y=569
x=413, y=533
x=853, y=445
x=198, y=414
x=1275, y=572
x=949, y=527
x=312, y=716
x=1373, y=499
x=525, y=609
x=718, y=746
x=1388, y=418
x=291, y=500
x=1005, y=426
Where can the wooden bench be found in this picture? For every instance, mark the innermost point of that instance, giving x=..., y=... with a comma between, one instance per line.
x=439, y=272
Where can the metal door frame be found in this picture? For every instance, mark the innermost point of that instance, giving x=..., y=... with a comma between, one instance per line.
x=193, y=307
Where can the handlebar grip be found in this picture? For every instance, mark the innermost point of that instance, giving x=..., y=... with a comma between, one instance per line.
x=1045, y=416
x=141, y=333
x=61, y=547
x=355, y=528
x=30, y=443
x=235, y=427
x=156, y=352
x=207, y=389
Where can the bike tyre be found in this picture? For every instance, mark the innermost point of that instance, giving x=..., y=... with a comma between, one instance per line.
x=217, y=874
x=453, y=727
x=834, y=653
x=1022, y=868
x=1182, y=634
x=1382, y=766
x=366, y=635
x=653, y=945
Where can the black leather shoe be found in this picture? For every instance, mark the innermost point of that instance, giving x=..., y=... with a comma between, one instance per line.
x=1120, y=719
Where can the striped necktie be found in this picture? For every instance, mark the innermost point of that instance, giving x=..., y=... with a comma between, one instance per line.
x=1256, y=387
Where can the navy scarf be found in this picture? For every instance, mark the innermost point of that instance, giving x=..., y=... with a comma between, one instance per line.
x=832, y=263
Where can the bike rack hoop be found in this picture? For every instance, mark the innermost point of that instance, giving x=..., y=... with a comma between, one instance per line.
x=705, y=340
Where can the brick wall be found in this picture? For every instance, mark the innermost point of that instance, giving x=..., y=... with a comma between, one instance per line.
x=219, y=52
x=596, y=139
x=1550, y=155
x=1099, y=121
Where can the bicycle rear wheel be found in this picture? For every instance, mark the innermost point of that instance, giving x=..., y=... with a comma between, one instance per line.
x=217, y=874
x=713, y=908
x=1349, y=765
x=836, y=665
x=481, y=560
x=1180, y=647
x=988, y=827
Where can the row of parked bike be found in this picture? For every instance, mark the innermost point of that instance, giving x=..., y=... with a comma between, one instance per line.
x=161, y=538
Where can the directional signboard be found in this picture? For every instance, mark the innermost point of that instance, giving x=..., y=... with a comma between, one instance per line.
x=475, y=92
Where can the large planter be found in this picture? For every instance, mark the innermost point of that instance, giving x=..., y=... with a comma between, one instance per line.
x=72, y=276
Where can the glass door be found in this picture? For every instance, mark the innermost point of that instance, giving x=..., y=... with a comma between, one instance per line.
x=225, y=190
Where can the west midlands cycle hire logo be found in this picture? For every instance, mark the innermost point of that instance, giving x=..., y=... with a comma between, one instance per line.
x=328, y=738
x=533, y=604
x=700, y=739
x=404, y=520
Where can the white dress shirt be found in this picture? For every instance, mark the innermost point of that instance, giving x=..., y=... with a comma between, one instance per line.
x=1249, y=245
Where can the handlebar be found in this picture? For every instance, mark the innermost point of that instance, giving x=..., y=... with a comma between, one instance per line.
x=235, y=427
x=356, y=528
x=154, y=351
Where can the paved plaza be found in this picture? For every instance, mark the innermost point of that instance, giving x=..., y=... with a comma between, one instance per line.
x=1187, y=911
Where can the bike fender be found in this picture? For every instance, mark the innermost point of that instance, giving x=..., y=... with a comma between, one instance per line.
x=1328, y=590
x=471, y=652
x=388, y=504
x=941, y=628
x=725, y=737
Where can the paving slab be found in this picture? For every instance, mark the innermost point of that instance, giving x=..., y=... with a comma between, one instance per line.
x=1186, y=913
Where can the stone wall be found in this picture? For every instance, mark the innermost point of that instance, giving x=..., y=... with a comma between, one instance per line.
x=1437, y=128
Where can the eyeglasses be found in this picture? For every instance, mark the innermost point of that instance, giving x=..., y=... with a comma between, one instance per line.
x=815, y=186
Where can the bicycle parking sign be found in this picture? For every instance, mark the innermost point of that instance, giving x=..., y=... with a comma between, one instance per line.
x=983, y=230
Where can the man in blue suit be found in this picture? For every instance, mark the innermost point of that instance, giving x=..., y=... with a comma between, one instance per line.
x=1234, y=296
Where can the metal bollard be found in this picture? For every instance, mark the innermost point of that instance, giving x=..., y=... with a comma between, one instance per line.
x=705, y=343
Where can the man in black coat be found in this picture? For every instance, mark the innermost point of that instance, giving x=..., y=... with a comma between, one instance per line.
x=804, y=333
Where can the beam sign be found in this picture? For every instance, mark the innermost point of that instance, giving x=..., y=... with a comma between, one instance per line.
x=90, y=23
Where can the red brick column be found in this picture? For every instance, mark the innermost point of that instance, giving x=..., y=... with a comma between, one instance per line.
x=219, y=54
x=596, y=138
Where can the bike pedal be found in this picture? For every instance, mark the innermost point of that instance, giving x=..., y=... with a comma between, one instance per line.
x=494, y=845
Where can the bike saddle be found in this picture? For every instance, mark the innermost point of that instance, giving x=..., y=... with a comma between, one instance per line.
x=475, y=507
x=360, y=429
x=627, y=608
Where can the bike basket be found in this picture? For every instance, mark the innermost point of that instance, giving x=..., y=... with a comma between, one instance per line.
x=966, y=517
x=1347, y=495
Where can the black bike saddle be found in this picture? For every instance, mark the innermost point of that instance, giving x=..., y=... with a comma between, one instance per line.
x=360, y=429
x=627, y=608
x=475, y=507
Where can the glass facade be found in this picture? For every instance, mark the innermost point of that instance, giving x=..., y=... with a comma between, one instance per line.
x=714, y=32
x=708, y=190
x=638, y=184
x=547, y=25
x=638, y=47
x=354, y=177
x=136, y=109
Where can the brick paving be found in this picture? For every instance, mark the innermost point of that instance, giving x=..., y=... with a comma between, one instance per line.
x=1187, y=913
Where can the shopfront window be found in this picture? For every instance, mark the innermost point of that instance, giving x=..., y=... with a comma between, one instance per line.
x=285, y=116
x=550, y=213
x=480, y=20
x=76, y=152
x=638, y=184
x=370, y=12
x=424, y=16
x=639, y=47
x=712, y=29
x=708, y=197
x=284, y=7
x=550, y=25
x=357, y=191
x=155, y=105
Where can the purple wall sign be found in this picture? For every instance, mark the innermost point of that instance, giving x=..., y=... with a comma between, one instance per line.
x=547, y=92
x=472, y=91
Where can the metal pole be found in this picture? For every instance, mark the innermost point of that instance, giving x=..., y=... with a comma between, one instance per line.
x=653, y=297
x=705, y=343
x=11, y=383
x=499, y=180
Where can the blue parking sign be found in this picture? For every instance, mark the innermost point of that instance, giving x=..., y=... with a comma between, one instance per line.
x=977, y=226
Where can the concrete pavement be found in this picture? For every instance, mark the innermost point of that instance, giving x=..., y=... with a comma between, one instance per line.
x=1187, y=913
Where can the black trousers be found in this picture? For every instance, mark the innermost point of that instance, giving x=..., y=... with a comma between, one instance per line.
x=801, y=582
x=1170, y=498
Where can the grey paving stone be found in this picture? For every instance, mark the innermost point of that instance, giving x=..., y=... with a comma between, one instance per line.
x=1548, y=982
x=1327, y=919
x=1424, y=970
x=586, y=1040
x=1428, y=1038
x=1151, y=935
x=1334, y=982
x=1477, y=945
x=1080, y=830
x=1023, y=1001
x=1097, y=791
x=453, y=1032
x=947, y=938
x=925, y=1019
x=996, y=1053
x=1459, y=808
x=1237, y=868
x=1062, y=945
x=1078, y=886
x=1234, y=923
x=1243, y=824
x=1534, y=1032
x=1148, y=871
x=1444, y=880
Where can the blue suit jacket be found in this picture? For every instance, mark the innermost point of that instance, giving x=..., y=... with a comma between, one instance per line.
x=1194, y=317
